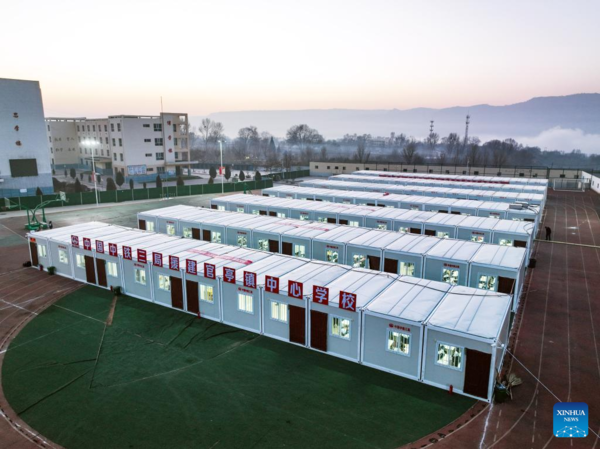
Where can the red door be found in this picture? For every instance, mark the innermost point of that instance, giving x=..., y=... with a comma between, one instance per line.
x=142, y=224
x=297, y=325
x=318, y=330
x=477, y=373
x=191, y=290
x=101, y=268
x=176, y=293
x=90, y=270
x=34, y=255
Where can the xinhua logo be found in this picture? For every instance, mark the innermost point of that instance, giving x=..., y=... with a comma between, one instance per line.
x=571, y=420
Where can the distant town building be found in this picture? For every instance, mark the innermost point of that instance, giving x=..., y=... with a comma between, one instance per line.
x=140, y=147
x=24, y=158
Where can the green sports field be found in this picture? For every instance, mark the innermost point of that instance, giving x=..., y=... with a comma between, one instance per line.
x=157, y=378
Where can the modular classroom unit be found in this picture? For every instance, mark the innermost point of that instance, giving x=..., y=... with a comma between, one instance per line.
x=393, y=325
x=462, y=227
x=453, y=178
x=465, y=340
x=444, y=192
x=481, y=208
x=315, y=304
x=470, y=185
x=429, y=257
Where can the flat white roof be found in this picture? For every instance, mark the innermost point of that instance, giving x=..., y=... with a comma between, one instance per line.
x=376, y=239
x=342, y=234
x=312, y=273
x=455, y=250
x=366, y=284
x=500, y=256
x=409, y=299
x=414, y=244
x=466, y=310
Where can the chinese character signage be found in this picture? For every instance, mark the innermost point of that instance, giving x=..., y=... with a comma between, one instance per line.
x=141, y=256
x=210, y=271
x=174, y=263
x=295, y=289
x=112, y=249
x=348, y=301
x=321, y=295
x=75, y=241
x=127, y=253
x=157, y=259
x=228, y=275
x=99, y=246
x=191, y=267
x=272, y=284
x=249, y=279
x=87, y=244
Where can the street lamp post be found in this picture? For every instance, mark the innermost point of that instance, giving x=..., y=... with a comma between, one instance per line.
x=222, y=168
x=92, y=143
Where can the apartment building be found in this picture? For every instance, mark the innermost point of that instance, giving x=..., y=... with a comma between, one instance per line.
x=140, y=147
x=24, y=157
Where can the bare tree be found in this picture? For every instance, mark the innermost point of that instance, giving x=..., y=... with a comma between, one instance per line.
x=409, y=151
x=287, y=160
x=323, y=153
x=453, y=147
x=432, y=140
x=303, y=135
x=210, y=132
x=362, y=155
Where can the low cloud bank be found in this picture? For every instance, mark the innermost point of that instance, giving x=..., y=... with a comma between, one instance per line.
x=564, y=139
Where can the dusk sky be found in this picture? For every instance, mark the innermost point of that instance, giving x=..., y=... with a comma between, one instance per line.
x=100, y=58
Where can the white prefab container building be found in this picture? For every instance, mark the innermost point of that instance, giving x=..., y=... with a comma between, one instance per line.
x=491, y=195
x=242, y=290
x=366, y=250
x=286, y=300
x=486, y=272
x=449, y=261
x=393, y=325
x=326, y=307
x=335, y=323
x=456, y=178
x=331, y=246
x=465, y=207
x=472, y=185
x=406, y=255
x=463, y=227
x=465, y=340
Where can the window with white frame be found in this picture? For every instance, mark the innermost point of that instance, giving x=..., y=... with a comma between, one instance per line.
x=157, y=126
x=442, y=235
x=240, y=209
x=340, y=327
x=477, y=238
x=242, y=241
x=170, y=229
x=149, y=226
x=215, y=237
x=353, y=223
x=187, y=233
x=280, y=214
x=263, y=245
x=450, y=356
x=207, y=293
x=398, y=342
x=332, y=256
x=382, y=226
x=407, y=268
x=164, y=282
x=111, y=269
x=80, y=260
x=359, y=261
x=304, y=216
x=255, y=212
x=403, y=229
x=221, y=208
x=158, y=141
x=245, y=303
x=505, y=242
x=514, y=218
x=414, y=207
x=322, y=219
x=487, y=282
x=140, y=276
x=41, y=250
x=279, y=311
x=299, y=250
x=450, y=275
x=62, y=256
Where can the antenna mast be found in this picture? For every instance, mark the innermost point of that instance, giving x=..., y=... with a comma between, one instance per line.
x=466, y=131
